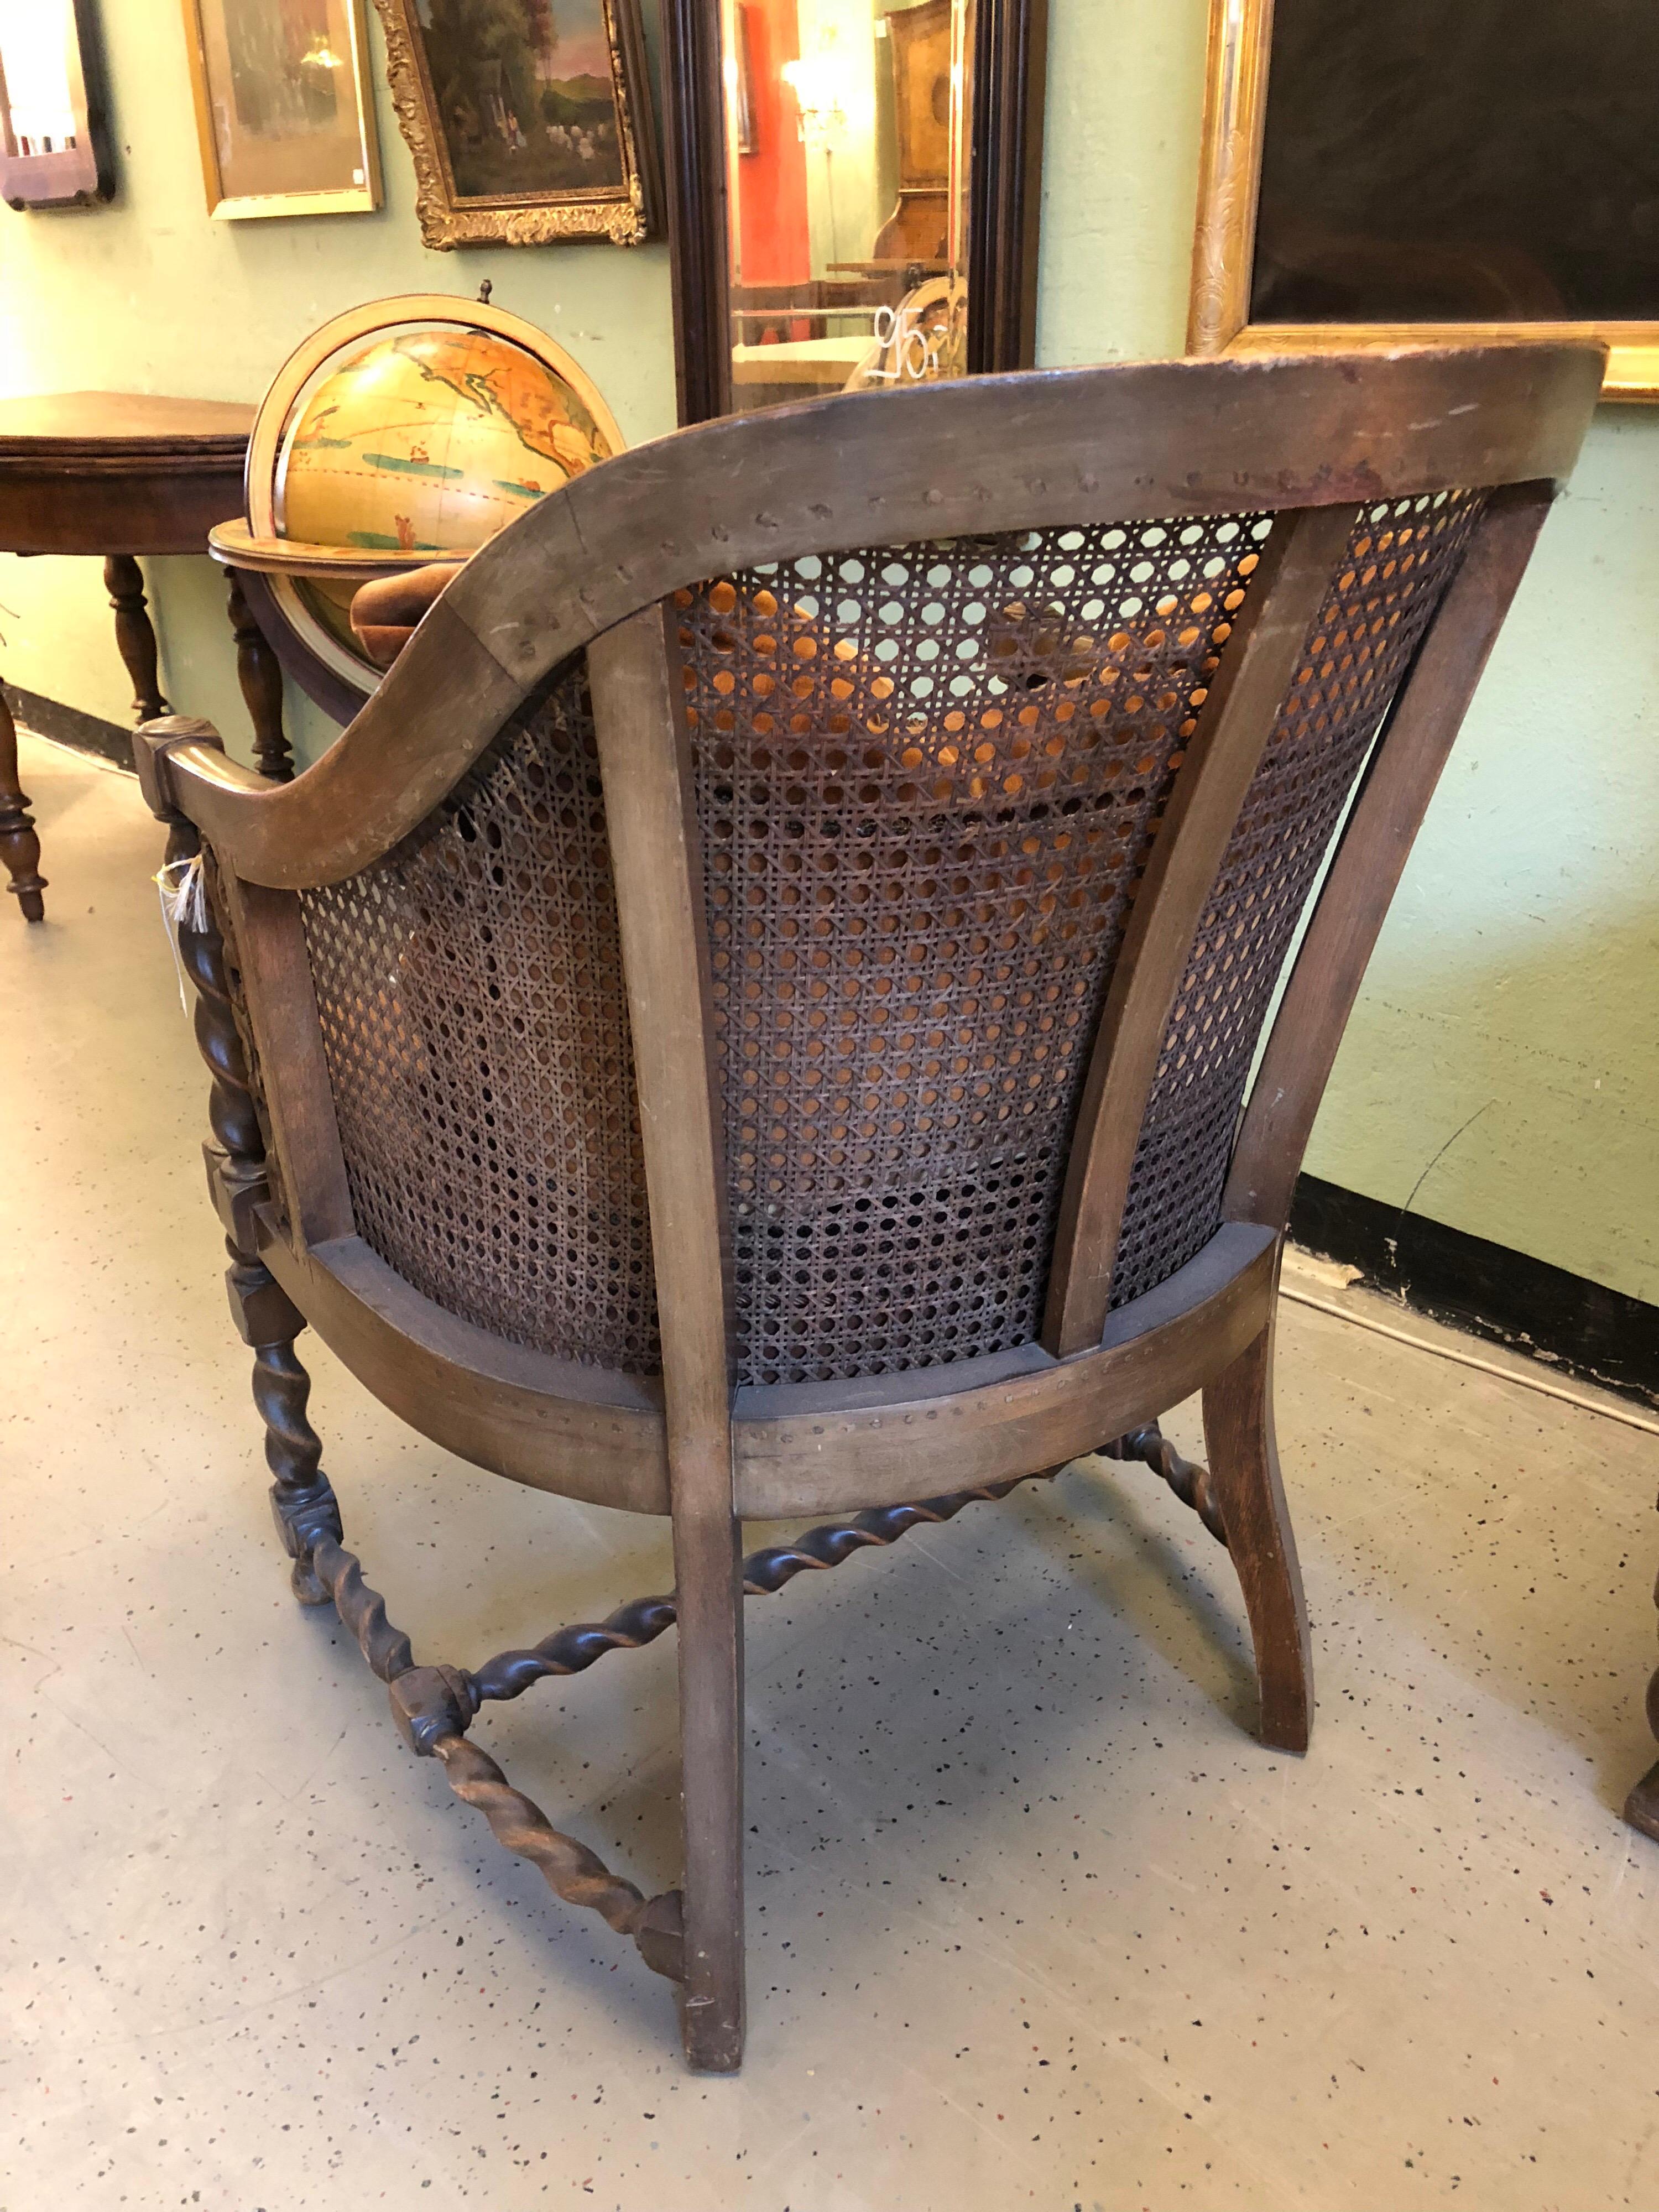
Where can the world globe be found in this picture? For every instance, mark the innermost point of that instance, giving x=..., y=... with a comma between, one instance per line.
x=408, y=430
x=429, y=442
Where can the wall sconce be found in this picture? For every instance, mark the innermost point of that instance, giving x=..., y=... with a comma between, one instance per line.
x=816, y=81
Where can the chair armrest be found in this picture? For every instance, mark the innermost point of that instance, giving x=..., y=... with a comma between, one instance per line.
x=168, y=751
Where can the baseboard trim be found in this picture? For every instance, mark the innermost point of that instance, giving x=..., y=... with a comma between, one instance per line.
x=1577, y=1327
x=68, y=725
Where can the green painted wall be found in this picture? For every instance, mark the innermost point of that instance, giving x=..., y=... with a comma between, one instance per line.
x=1502, y=1068
x=1501, y=1073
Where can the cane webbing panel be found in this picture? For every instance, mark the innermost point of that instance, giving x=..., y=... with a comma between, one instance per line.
x=928, y=781
x=1401, y=558
x=470, y=987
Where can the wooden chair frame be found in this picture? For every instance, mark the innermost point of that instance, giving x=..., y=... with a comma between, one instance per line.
x=591, y=568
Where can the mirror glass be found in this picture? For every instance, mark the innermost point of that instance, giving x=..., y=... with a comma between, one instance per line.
x=848, y=128
x=35, y=49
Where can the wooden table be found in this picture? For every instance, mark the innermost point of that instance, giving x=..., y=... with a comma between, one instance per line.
x=824, y=363
x=796, y=368
x=118, y=474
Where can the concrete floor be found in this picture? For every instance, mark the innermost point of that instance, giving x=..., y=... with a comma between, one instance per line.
x=1032, y=1919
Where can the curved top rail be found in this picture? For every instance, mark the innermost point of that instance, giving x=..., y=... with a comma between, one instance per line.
x=1044, y=448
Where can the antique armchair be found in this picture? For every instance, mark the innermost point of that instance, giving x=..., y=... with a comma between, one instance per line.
x=753, y=1017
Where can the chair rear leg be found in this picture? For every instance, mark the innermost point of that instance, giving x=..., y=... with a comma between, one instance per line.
x=708, y=1580
x=1246, y=1485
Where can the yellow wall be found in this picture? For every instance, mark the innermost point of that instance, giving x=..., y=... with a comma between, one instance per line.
x=1502, y=1068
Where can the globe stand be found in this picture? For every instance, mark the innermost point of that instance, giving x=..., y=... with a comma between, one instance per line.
x=250, y=562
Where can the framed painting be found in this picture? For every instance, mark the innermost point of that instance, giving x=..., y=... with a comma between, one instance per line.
x=528, y=120
x=54, y=137
x=283, y=110
x=1415, y=173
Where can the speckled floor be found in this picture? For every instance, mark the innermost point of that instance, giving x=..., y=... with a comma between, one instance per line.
x=1032, y=1919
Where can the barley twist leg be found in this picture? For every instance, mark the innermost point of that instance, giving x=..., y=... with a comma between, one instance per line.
x=302, y=1500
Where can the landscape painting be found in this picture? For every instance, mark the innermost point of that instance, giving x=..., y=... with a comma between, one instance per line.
x=524, y=93
x=512, y=108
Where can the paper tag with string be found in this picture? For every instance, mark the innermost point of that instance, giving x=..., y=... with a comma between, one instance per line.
x=183, y=888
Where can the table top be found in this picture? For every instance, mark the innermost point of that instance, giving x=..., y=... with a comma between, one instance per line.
x=103, y=473
x=93, y=426
x=823, y=362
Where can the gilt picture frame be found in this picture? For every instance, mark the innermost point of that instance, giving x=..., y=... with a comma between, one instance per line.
x=284, y=107
x=1226, y=300
x=547, y=135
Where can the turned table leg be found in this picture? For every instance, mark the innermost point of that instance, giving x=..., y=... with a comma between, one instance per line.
x=260, y=674
x=20, y=849
x=125, y=582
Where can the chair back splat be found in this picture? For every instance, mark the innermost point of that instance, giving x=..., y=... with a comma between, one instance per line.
x=755, y=1016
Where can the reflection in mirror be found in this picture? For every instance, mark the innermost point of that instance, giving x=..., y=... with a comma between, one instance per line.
x=848, y=127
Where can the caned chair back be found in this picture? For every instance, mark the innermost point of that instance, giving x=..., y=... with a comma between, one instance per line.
x=1008, y=724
